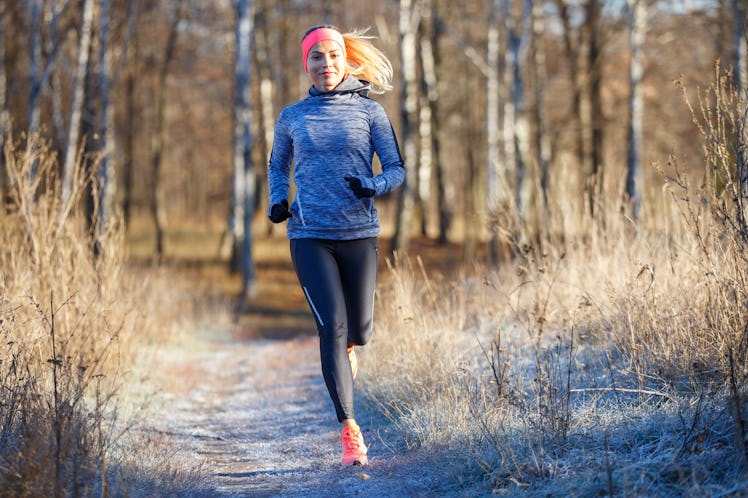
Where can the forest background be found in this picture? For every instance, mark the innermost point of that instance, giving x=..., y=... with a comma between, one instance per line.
x=538, y=137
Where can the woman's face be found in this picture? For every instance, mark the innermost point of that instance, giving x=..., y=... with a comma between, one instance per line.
x=325, y=65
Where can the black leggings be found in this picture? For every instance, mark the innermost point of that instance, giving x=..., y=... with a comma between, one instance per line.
x=338, y=278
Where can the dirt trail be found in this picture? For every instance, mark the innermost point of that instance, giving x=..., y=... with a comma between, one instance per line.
x=261, y=429
x=249, y=405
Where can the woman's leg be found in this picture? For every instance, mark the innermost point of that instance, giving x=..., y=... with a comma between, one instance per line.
x=357, y=260
x=319, y=275
x=338, y=279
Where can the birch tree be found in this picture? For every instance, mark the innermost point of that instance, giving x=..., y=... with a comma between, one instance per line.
x=76, y=109
x=637, y=22
x=541, y=140
x=408, y=20
x=516, y=131
x=244, y=179
x=430, y=141
x=495, y=175
x=106, y=123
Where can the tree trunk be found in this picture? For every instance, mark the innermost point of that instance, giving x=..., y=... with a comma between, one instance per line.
x=443, y=202
x=741, y=65
x=425, y=131
x=4, y=113
x=409, y=18
x=637, y=18
x=244, y=177
x=472, y=178
x=76, y=109
x=495, y=175
x=516, y=133
x=158, y=207
x=593, y=118
x=35, y=61
x=571, y=52
x=128, y=145
x=106, y=184
x=541, y=142
x=741, y=45
x=266, y=107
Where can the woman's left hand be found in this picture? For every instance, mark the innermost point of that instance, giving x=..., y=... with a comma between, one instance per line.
x=358, y=189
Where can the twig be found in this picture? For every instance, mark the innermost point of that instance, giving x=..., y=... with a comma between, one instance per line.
x=623, y=390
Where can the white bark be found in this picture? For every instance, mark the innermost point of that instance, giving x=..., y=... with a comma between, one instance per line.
x=244, y=178
x=409, y=18
x=516, y=131
x=425, y=130
x=496, y=183
x=637, y=12
x=541, y=139
x=106, y=121
x=76, y=110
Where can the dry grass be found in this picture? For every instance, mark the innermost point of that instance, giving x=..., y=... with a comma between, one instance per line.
x=74, y=320
x=612, y=363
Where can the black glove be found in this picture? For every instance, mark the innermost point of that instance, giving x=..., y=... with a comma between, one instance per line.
x=359, y=190
x=279, y=212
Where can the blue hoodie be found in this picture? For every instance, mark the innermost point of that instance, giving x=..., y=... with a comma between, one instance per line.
x=331, y=135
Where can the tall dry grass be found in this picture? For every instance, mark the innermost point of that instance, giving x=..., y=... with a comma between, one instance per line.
x=613, y=362
x=74, y=321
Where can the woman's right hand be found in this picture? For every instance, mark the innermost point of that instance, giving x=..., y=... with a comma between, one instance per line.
x=280, y=212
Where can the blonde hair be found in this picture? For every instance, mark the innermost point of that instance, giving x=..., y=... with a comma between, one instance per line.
x=367, y=62
x=363, y=59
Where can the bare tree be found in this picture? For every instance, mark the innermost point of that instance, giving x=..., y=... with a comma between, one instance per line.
x=431, y=64
x=571, y=53
x=409, y=18
x=4, y=113
x=741, y=44
x=541, y=140
x=76, y=110
x=425, y=130
x=128, y=140
x=741, y=73
x=158, y=201
x=106, y=184
x=593, y=119
x=35, y=60
x=432, y=167
x=496, y=175
x=244, y=178
x=637, y=22
x=516, y=132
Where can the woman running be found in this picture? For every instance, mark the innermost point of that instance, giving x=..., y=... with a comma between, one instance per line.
x=331, y=137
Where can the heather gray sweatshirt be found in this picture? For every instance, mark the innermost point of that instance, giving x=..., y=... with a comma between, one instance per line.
x=331, y=135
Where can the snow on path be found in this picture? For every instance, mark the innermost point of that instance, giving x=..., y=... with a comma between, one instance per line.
x=256, y=416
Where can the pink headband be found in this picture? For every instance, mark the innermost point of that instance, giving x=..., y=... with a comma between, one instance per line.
x=318, y=35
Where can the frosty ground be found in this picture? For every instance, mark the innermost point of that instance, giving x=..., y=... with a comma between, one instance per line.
x=254, y=417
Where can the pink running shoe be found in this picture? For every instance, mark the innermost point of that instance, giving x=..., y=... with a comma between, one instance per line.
x=354, y=449
x=354, y=361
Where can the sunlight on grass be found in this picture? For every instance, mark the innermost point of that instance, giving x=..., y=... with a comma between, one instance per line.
x=610, y=363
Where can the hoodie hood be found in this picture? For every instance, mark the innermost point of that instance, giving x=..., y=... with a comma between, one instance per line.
x=350, y=84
